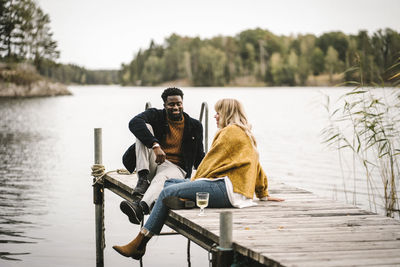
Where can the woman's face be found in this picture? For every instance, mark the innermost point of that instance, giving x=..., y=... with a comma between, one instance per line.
x=216, y=116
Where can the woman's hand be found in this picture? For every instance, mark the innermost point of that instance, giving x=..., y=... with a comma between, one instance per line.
x=275, y=199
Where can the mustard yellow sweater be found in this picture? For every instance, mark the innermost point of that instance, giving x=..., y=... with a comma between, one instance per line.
x=232, y=154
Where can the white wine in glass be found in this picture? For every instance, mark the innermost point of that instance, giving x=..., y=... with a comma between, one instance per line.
x=202, y=201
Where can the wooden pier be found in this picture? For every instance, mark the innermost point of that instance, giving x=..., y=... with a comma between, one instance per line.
x=304, y=230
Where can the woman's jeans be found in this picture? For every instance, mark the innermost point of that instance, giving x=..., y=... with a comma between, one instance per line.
x=186, y=189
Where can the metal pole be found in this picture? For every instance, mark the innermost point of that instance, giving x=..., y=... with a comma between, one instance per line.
x=206, y=130
x=98, y=199
x=223, y=255
x=204, y=107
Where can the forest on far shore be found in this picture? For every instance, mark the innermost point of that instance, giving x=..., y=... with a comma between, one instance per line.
x=254, y=57
x=259, y=57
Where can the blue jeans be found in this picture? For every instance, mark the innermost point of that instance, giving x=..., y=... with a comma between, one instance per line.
x=184, y=188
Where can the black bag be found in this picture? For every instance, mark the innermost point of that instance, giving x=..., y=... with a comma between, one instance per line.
x=129, y=158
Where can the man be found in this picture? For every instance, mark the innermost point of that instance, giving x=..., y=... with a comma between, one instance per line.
x=169, y=143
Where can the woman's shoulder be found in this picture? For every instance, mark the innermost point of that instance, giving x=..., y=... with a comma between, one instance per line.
x=233, y=128
x=233, y=131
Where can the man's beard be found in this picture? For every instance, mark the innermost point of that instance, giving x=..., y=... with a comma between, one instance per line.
x=175, y=117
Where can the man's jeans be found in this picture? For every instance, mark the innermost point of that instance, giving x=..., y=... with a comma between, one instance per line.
x=158, y=174
x=186, y=189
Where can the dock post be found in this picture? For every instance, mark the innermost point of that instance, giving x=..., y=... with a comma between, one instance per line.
x=223, y=255
x=98, y=200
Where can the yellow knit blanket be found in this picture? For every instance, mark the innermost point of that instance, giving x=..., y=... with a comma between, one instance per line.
x=232, y=154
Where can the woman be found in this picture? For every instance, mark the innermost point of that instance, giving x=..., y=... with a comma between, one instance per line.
x=230, y=172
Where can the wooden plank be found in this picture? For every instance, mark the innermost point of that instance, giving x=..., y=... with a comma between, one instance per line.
x=317, y=222
x=123, y=181
x=306, y=232
x=355, y=253
x=121, y=184
x=338, y=261
x=254, y=213
x=317, y=237
x=340, y=246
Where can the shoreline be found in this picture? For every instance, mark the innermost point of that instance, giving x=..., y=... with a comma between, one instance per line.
x=322, y=80
x=39, y=88
x=22, y=80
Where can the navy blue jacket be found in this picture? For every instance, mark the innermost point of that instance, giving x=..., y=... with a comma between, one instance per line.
x=192, y=143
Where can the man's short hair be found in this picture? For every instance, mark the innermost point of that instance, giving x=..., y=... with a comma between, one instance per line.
x=171, y=91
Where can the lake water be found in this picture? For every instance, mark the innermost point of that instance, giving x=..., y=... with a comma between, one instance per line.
x=46, y=150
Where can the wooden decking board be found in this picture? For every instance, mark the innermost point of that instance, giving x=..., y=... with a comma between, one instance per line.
x=304, y=230
x=295, y=229
x=307, y=232
x=304, y=222
x=307, y=213
x=340, y=262
x=318, y=247
x=321, y=256
x=318, y=237
x=300, y=205
x=350, y=254
x=286, y=211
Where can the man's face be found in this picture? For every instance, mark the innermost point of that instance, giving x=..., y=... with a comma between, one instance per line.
x=174, y=107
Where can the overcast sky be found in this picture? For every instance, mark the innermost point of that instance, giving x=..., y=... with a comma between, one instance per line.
x=103, y=34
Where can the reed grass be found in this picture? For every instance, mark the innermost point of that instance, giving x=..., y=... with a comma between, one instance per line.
x=367, y=123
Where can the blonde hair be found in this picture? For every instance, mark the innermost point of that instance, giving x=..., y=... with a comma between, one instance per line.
x=231, y=112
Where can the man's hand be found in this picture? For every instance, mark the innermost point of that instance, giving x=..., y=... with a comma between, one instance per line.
x=160, y=154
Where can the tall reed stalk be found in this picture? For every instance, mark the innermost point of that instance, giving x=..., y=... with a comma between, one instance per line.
x=368, y=124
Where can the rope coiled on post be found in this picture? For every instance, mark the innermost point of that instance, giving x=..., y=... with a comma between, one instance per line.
x=98, y=174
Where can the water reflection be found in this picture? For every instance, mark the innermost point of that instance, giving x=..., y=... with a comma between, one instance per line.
x=22, y=199
x=11, y=256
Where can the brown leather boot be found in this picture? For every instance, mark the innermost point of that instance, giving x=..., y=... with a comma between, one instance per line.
x=135, y=249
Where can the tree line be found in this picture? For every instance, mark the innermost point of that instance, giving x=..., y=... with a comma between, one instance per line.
x=74, y=74
x=26, y=37
x=252, y=57
x=266, y=58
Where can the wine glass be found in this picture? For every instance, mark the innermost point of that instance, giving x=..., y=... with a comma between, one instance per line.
x=202, y=201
